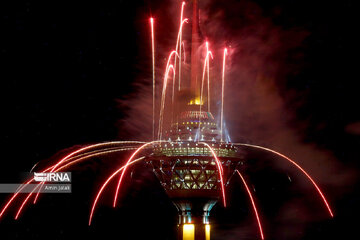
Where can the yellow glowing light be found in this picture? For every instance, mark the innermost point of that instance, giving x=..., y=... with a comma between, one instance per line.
x=188, y=232
x=196, y=101
x=207, y=231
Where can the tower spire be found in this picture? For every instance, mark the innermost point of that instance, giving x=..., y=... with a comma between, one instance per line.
x=195, y=44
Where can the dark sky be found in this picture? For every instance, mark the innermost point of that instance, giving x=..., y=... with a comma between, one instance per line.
x=65, y=64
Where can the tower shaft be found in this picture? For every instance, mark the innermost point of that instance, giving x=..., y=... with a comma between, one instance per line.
x=195, y=44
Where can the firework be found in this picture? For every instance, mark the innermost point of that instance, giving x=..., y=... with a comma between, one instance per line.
x=222, y=95
x=253, y=204
x=296, y=165
x=181, y=42
x=153, y=75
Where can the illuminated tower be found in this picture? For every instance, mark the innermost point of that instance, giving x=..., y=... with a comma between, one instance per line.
x=186, y=165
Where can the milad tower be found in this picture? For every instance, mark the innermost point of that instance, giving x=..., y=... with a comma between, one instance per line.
x=188, y=165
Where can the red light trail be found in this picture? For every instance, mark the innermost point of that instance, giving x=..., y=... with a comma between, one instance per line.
x=253, y=204
x=208, y=76
x=104, y=185
x=163, y=98
x=178, y=46
x=206, y=63
x=153, y=70
x=180, y=41
x=66, y=158
x=222, y=96
x=126, y=166
x=298, y=166
x=221, y=171
x=88, y=156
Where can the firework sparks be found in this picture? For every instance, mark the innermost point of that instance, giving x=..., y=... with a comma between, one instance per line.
x=153, y=73
x=222, y=95
x=126, y=166
x=253, y=204
x=181, y=42
x=178, y=50
x=163, y=96
x=206, y=61
x=221, y=172
x=208, y=77
x=105, y=184
x=170, y=67
x=298, y=166
x=67, y=158
x=71, y=163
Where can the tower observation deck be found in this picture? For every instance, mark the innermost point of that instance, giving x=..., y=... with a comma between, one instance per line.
x=188, y=172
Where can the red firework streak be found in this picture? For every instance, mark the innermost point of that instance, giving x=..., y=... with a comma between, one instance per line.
x=222, y=96
x=153, y=76
x=253, y=204
x=296, y=165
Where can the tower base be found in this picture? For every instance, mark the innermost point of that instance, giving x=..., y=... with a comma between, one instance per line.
x=197, y=231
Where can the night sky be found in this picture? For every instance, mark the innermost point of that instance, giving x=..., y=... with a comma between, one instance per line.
x=71, y=73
